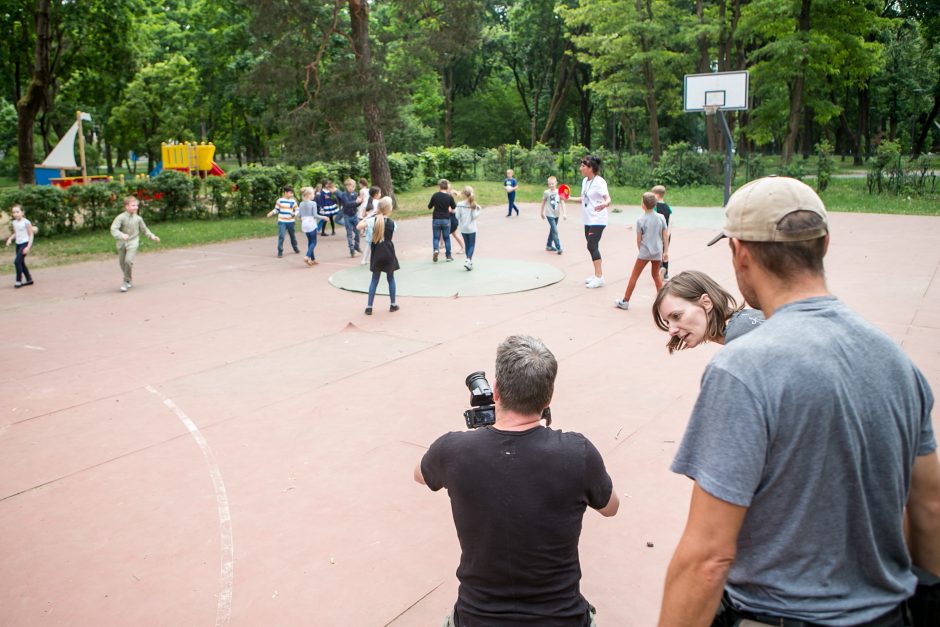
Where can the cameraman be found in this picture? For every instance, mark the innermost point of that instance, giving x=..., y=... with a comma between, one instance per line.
x=518, y=492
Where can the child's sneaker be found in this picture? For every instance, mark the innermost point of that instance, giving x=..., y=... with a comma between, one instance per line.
x=468, y=264
x=368, y=311
x=589, y=279
x=394, y=307
x=559, y=251
x=622, y=304
x=598, y=281
x=124, y=287
x=17, y=284
x=435, y=256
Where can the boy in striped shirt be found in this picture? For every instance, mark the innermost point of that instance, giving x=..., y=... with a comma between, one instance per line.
x=286, y=210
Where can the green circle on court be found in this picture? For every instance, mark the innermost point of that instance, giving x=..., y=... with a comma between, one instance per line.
x=443, y=279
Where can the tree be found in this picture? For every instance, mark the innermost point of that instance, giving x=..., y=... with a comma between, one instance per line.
x=156, y=107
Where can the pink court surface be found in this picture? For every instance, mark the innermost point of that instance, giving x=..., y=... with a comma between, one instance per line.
x=232, y=441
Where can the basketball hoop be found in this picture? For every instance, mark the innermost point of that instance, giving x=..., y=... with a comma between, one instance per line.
x=711, y=109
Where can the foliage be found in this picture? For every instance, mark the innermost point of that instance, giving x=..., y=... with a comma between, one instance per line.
x=681, y=166
x=45, y=206
x=438, y=162
x=887, y=173
x=824, y=165
x=255, y=190
x=97, y=203
x=796, y=169
x=177, y=193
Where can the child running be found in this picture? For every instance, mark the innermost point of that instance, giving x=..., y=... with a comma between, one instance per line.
x=467, y=212
x=286, y=210
x=383, y=254
x=665, y=211
x=126, y=230
x=309, y=221
x=23, y=234
x=367, y=220
x=652, y=239
x=551, y=202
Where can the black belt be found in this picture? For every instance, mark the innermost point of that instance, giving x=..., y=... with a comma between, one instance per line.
x=893, y=618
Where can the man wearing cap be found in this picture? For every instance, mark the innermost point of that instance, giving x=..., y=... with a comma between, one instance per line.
x=809, y=438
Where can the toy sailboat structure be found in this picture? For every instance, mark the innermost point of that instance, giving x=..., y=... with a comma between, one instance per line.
x=62, y=158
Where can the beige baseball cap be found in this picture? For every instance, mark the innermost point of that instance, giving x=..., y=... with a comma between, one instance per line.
x=754, y=212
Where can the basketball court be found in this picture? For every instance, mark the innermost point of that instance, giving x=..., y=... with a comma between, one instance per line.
x=232, y=441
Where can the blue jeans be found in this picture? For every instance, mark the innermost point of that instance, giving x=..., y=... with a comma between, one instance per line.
x=375, y=284
x=352, y=233
x=289, y=227
x=311, y=242
x=441, y=228
x=512, y=203
x=469, y=243
x=553, y=233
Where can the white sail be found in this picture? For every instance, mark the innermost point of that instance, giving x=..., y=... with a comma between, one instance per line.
x=62, y=156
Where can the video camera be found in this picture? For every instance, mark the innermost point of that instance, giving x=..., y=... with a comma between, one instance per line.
x=482, y=412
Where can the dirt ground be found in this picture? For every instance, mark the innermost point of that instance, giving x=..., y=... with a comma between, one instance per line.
x=232, y=441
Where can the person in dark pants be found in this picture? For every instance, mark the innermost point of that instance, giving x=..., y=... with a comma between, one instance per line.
x=349, y=201
x=510, y=184
x=328, y=206
x=23, y=234
x=383, y=258
x=443, y=204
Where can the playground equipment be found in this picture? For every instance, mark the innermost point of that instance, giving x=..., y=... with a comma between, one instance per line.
x=52, y=170
x=188, y=157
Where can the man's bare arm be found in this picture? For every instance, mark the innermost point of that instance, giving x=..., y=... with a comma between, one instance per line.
x=613, y=504
x=419, y=477
x=699, y=567
x=923, y=513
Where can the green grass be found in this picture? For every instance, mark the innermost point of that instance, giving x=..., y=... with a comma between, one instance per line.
x=849, y=195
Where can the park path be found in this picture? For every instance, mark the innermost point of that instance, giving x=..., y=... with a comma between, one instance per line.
x=232, y=441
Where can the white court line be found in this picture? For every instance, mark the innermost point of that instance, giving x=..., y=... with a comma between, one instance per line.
x=223, y=615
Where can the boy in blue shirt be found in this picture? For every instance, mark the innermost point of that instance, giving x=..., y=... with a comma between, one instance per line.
x=511, y=185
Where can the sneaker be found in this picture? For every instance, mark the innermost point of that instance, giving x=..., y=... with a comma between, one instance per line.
x=550, y=249
x=468, y=264
x=662, y=274
x=352, y=253
x=622, y=304
x=124, y=287
x=665, y=276
x=296, y=251
x=435, y=256
x=17, y=284
x=597, y=282
x=280, y=255
x=393, y=307
x=358, y=250
x=368, y=311
x=590, y=278
x=30, y=282
x=129, y=286
x=450, y=259
x=314, y=262
x=306, y=260
x=559, y=251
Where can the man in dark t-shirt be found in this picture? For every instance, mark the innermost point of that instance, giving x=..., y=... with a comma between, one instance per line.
x=518, y=492
x=443, y=204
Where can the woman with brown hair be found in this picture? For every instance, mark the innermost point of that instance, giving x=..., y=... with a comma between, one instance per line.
x=693, y=309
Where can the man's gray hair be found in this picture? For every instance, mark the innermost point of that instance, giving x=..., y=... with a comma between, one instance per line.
x=525, y=374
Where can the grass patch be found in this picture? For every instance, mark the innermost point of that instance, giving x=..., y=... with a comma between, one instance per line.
x=848, y=195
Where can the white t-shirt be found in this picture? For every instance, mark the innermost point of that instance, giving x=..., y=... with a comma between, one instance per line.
x=592, y=194
x=22, y=229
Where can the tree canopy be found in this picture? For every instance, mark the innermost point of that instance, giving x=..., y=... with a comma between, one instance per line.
x=298, y=80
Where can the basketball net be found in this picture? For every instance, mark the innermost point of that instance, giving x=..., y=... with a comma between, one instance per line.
x=711, y=109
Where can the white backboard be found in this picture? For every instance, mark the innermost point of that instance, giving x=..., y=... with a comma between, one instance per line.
x=727, y=90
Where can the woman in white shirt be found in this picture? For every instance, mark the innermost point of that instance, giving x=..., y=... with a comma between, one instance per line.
x=595, y=200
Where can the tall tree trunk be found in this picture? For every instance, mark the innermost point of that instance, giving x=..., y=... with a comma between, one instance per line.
x=585, y=109
x=921, y=139
x=712, y=133
x=864, y=123
x=806, y=134
x=29, y=105
x=447, y=87
x=378, y=154
x=559, y=94
x=797, y=88
x=651, y=104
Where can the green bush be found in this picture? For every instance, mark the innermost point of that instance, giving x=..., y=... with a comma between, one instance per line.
x=256, y=190
x=681, y=165
x=635, y=171
x=538, y=164
x=824, y=165
x=45, y=206
x=754, y=167
x=438, y=162
x=796, y=169
x=177, y=193
x=96, y=203
x=404, y=169
x=219, y=190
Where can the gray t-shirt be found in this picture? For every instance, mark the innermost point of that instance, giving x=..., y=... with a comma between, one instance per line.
x=552, y=203
x=467, y=217
x=742, y=322
x=650, y=226
x=813, y=423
